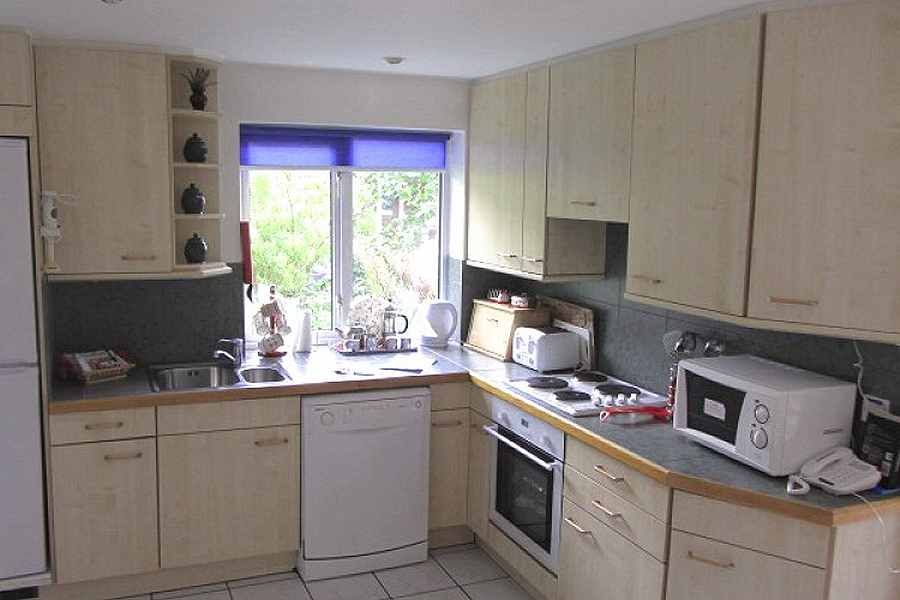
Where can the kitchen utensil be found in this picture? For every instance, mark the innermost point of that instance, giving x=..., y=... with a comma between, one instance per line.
x=499, y=296
x=389, y=319
x=520, y=300
x=436, y=322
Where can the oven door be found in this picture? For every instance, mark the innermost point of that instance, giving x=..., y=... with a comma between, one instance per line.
x=526, y=495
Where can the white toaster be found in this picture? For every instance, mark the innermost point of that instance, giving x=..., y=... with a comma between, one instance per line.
x=545, y=348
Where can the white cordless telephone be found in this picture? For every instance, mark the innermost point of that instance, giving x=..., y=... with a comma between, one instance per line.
x=838, y=471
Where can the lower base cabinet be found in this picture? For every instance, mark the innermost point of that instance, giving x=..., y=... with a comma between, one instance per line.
x=703, y=568
x=596, y=562
x=479, y=475
x=448, y=468
x=228, y=495
x=104, y=509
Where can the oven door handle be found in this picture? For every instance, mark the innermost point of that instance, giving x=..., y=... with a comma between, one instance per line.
x=493, y=430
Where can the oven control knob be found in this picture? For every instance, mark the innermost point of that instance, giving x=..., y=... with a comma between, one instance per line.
x=759, y=438
x=761, y=412
x=327, y=418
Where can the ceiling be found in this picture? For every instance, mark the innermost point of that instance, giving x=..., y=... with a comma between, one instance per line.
x=453, y=38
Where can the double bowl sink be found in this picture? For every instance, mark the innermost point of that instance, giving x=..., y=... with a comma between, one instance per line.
x=168, y=378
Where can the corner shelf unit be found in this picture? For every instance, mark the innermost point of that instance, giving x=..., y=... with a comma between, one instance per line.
x=184, y=121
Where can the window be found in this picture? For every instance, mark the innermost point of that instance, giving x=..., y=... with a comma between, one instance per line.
x=340, y=241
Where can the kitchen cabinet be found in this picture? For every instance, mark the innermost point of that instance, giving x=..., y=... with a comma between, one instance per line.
x=228, y=495
x=508, y=228
x=496, y=171
x=104, y=509
x=825, y=241
x=597, y=562
x=16, y=72
x=693, y=166
x=479, y=488
x=448, y=472
x=103, y=119
x=591, y=107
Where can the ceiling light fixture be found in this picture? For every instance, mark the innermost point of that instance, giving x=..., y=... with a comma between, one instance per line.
x=394, y=60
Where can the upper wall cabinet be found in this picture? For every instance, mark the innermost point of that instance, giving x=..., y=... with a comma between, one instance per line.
x=496, y=171
x=103, y=122
x=16, y=72
x=826, y=247
x=692, y=173
x=591, y=106
x=508, y=228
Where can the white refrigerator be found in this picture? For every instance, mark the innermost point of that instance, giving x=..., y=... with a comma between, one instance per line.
x=22, y=514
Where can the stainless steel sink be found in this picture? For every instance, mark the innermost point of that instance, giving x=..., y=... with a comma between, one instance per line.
x=262, y=375
x=165, y=378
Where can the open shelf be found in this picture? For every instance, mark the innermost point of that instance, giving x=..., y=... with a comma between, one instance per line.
x=190, y=165
x=200, y=217
x=190, y=113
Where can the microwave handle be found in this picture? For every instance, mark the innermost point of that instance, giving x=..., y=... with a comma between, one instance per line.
x=492, y=430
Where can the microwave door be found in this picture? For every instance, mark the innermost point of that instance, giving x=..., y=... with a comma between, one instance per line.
x=713, y=408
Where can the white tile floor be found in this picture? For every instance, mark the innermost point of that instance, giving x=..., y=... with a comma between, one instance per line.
x=455, y=573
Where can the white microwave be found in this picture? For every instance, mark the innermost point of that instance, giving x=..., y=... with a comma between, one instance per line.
x=765, y=414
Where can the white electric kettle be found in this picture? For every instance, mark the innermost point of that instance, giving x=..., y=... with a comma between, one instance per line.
x=436, y=323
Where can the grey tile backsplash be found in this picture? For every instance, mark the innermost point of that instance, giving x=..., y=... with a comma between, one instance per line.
x=154, y=321
x=629, y=341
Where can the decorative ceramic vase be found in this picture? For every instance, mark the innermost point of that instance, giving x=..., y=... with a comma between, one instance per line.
x=199, y=99
x=195, y=149
x=195, y=249
x=193, y=201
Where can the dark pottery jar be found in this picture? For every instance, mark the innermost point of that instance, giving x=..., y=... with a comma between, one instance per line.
x=193, y=201
x=195, y=149
x=195, y=249
x=199, y=100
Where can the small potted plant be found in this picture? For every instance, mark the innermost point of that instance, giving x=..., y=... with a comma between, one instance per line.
x=198, y=79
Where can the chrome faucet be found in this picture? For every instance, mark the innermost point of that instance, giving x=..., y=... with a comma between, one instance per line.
x=231, y=351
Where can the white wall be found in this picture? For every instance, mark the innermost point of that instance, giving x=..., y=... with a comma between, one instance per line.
x=250, y=93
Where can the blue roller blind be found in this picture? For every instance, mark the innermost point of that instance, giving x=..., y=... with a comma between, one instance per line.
x=283, y=146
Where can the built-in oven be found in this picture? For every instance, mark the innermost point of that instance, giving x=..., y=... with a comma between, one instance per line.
x=526, y=484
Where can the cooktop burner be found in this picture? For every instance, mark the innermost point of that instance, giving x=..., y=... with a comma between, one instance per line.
x=614, y=389
x=590, y=376
x=571, y=396
x=546, y=383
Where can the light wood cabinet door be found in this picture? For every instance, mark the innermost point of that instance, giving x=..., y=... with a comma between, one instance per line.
x=534, y=214
x=104, y=509
x=479, y=475
x=103, y=122
x=448, y=472
x=229, y=495
x=704, y=568
x=692, y=172
x=496, y=171
x=596, y=562
x=825, y=235
x=591, y=108
x=16, y=73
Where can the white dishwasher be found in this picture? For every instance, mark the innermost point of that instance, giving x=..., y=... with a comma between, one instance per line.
x=364, y=497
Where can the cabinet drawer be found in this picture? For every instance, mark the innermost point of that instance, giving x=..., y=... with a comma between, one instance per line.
x=103, y=425
x=702, y=568
x=640, y=527
x=104, y=509
x=626, y=482
x=597, y=562
x=236, y=414
x=446, y=396
x=752, y=528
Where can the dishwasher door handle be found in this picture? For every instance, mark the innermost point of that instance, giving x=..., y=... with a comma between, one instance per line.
x=493, y=430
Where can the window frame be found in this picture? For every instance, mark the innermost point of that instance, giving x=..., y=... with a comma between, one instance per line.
x=341, y=226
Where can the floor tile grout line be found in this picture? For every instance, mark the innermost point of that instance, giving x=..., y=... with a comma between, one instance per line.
x=387, y=594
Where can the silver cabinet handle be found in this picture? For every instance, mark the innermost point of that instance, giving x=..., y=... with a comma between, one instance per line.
x=576, y=527
x=604, y=510
x=647, y=278
x=276, y=441
x=138, y=257
x=107, y=425
x=709, y=561
x=602, y=470
x=493, y=320
x=506, y=255
x=532, y=260
x=549, y=466
x=793, y=301
x=447, y=425
x=582, y=202
x=129, y=456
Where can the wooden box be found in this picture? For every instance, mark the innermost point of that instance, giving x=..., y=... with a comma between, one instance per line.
x=492, y=326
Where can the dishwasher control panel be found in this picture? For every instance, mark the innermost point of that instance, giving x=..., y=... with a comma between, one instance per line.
x=372, y=414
